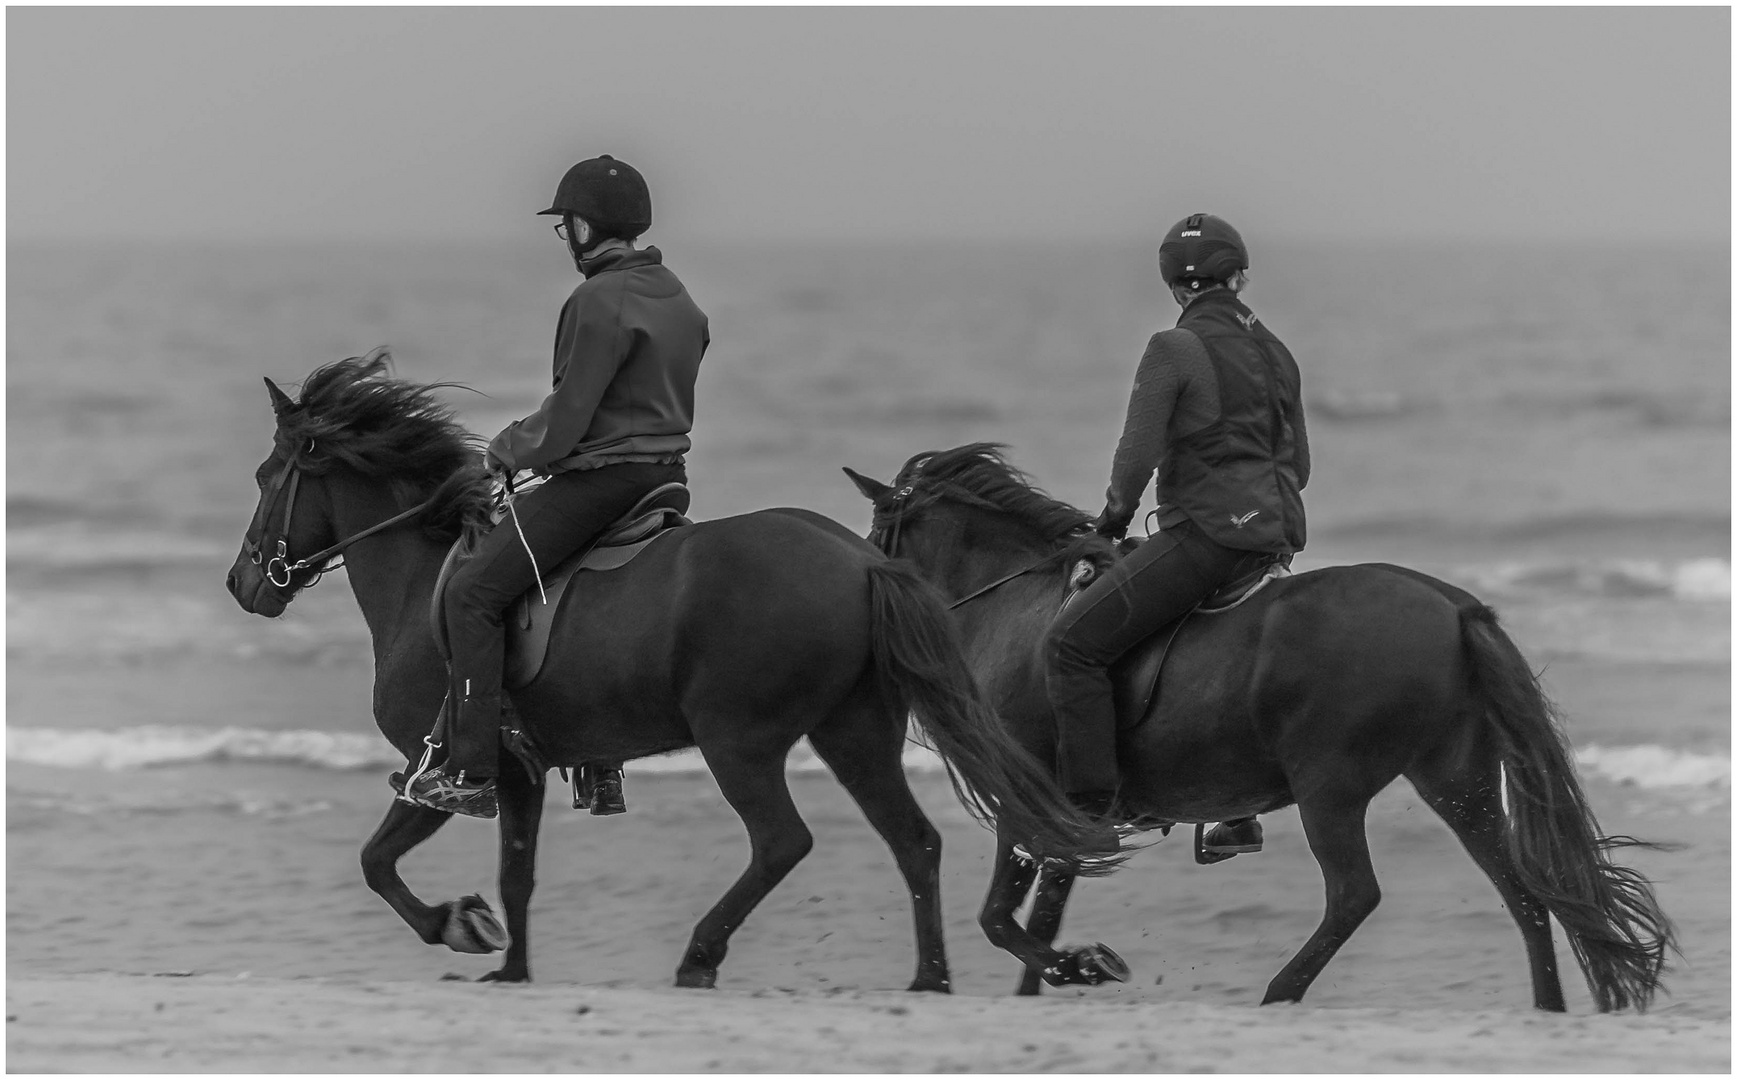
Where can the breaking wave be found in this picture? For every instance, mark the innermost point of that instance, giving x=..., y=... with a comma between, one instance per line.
x=142, y=747
x=1646, y=766
x=1692, y=580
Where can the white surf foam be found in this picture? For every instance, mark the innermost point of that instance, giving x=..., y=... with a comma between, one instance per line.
x=1652, y=766
x=1693, y=580
x=137, y=747
x=1646, y=766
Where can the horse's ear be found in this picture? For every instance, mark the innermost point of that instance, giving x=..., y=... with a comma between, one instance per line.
x=871, y=489
x=379, y=354
x=280, y=401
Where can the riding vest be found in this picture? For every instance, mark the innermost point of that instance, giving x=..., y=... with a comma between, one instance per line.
x=1240, y=478
x=627, y=354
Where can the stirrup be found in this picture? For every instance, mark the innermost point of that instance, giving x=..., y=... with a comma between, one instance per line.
x=429, y=746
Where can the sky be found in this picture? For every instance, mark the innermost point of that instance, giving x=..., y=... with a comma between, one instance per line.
x=316, y=123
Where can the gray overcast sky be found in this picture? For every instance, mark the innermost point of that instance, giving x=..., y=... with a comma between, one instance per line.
x=316, y=122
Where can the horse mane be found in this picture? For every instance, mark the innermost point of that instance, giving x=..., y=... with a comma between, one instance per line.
x=353, y=413
x=979, y=474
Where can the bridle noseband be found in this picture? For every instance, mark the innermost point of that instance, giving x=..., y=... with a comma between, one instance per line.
x=256, y=531
x=291, y=475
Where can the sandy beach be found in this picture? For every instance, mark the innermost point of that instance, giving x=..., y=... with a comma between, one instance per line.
x=244, y=942
x=216, y=1024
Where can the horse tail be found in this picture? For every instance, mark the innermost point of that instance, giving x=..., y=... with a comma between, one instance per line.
x=1609, y=913
x=922, y=670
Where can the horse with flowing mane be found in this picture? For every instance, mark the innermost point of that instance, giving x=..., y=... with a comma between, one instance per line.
x=739, y=636
x=1319, y=690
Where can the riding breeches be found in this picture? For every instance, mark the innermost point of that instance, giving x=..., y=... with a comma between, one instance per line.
x=1158, y=582
x=565, y=514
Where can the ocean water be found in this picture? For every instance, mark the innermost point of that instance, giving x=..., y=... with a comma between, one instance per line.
x=1548, y=428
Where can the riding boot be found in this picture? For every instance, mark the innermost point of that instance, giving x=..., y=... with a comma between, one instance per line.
x=1086, y=752
x=1239, y=836
x=474, y=741
x=605, y=780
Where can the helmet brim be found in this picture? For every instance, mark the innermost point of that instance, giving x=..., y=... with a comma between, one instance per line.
x=553, y=210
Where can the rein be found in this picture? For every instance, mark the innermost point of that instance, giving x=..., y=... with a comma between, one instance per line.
x=1000, y=581
x=279, y=563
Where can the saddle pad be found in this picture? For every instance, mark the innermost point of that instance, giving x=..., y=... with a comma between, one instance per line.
x=528, y=621
x=1239, y=590
x=531, y=621
x=1134, y=676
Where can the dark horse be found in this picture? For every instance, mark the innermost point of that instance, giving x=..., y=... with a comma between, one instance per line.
x=1319, y=691
x=739, y=635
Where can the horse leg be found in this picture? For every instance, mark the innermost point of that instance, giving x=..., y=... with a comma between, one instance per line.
x=862, y=745
x=521, y=803
x=1053, y=887
x=404, y=826
x=1472, y=807
x=753, y=783
x=1086, y=965
x=1337, y=837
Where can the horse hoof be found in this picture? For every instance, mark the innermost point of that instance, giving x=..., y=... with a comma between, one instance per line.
x=471, y=927
x=930, y=986
x=505, y=976
x=697, y=979
x=1100, y=964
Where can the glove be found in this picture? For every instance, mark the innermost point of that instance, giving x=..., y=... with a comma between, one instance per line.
x=1110, y=526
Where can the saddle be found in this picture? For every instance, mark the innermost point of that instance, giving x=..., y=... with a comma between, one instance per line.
x=529, y=620
x=1134, y=677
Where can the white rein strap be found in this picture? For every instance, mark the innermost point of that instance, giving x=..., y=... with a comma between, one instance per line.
x=512, y=512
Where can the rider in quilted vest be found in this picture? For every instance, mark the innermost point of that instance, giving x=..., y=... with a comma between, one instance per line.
x=1217, y=412
x=627, y=351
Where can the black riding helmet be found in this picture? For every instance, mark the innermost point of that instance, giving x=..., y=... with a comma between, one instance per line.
x=609, y=194
x=1201, y=247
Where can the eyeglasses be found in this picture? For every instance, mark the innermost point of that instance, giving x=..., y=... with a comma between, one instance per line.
x=561, y=230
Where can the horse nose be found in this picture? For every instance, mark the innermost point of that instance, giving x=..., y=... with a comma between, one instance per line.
x=229, y=581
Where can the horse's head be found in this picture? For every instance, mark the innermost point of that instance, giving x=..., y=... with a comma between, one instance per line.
x=292, y=519
x=900, y=527
x=951, y=509
x=358, y=446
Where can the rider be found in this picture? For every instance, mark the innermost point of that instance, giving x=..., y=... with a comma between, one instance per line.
x=1217, y=411
x=627, y=351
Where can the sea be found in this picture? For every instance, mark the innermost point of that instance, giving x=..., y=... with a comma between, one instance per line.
x=1547, y=426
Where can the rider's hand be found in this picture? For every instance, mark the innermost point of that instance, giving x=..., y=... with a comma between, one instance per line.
x=1110, y=527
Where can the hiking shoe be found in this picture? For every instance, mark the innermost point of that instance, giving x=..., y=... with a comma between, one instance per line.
x=1227, y=838
x=606, y=794
x=455, y=795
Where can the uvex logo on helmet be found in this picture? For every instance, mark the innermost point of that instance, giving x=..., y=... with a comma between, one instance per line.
x=1202, y=247
x=610, y=194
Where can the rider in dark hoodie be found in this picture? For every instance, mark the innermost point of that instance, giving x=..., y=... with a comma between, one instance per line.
x=1217, y=411
x=627, y=352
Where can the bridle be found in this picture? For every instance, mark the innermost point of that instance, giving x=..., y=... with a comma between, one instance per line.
x=291, y=476
x=892, y=542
